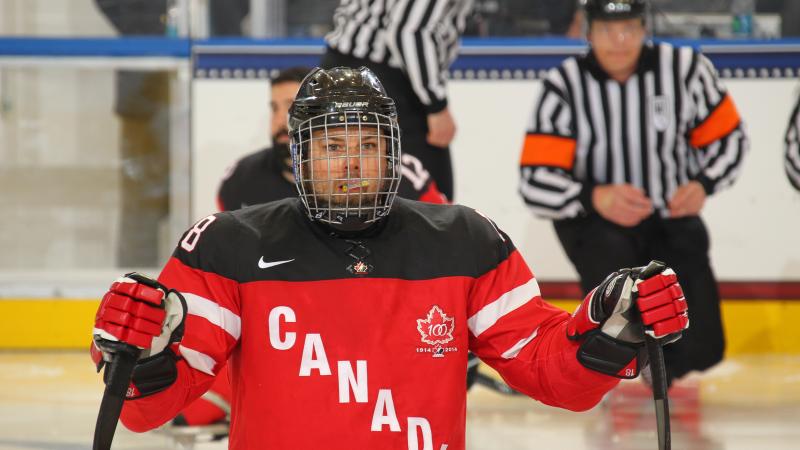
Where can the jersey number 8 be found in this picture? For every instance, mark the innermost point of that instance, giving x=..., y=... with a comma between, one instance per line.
x=189, y=242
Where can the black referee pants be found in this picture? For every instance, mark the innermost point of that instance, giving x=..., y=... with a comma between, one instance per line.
x=598, y=247
x=412, y=117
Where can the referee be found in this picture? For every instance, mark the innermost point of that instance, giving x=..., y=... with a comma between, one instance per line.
x=409, y=45
x=792, y=160
x=624, y=146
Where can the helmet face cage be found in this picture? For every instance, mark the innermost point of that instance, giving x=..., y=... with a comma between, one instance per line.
x=347, y=165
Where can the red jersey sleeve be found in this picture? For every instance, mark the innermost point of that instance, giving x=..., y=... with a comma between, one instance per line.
x=524, y=338
x=212, y=324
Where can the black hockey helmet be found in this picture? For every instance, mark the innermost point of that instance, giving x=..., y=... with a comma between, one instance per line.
x=337, y=90
x=352, y=105
x=614, y=9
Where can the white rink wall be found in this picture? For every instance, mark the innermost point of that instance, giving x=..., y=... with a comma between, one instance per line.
x=753, y=226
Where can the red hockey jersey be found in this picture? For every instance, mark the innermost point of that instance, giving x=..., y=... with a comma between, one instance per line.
x=360, y=342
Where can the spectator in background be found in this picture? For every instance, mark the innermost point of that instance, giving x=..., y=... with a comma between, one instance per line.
x=410, y=46
x=792, y=160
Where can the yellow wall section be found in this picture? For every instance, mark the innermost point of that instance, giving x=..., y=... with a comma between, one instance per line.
x=751, y=326
x=46, y=324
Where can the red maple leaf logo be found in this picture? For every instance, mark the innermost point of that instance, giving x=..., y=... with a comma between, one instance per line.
x=436, y=328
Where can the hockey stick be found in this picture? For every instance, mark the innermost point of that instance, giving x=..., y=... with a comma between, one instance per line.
x=658, y=370
x=117, y=377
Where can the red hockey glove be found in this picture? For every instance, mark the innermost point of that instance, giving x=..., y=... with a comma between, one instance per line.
x=140, y=312
x=613, y=330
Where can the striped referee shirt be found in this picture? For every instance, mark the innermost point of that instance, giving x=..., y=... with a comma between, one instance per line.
x=418, y=36
x=792, y=161
x=670, y=123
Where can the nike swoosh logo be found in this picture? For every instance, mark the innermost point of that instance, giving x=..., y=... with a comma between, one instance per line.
x=265, y=265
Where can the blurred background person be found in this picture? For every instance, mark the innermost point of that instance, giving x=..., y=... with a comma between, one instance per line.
x=266, y=175
x=621, y=155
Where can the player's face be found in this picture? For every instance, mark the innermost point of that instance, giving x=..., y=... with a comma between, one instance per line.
x=347, y=168
x=617, y=44
x=282, y=97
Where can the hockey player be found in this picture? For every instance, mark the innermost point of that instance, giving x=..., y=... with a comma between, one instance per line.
x=266, y=176
x=346, y=314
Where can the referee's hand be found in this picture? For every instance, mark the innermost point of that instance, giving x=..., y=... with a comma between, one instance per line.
x=622, y=204
x=441, y=128
x=688, y=200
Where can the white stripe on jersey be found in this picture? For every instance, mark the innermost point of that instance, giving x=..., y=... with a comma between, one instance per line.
x=506, y=303
x=197, y=360
x=214, y=313
x=516, y=348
